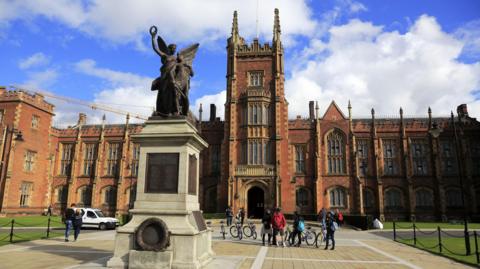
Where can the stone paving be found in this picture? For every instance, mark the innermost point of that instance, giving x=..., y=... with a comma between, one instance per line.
x=355, y=249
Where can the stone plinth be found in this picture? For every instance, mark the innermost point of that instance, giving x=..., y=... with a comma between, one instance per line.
x=169, y=150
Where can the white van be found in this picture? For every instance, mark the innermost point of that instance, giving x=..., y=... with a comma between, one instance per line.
x=93, y=217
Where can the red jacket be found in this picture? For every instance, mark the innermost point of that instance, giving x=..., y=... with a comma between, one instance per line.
x=278, y=221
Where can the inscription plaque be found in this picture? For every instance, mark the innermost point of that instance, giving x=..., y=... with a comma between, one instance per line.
x=192, y=174
x=162, y=173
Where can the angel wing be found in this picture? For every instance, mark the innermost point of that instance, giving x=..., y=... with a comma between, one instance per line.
x=162, y=46
x=188, y=54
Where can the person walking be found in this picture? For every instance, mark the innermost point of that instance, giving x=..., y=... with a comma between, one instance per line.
x=331, y=227
x=267, y=226
x=77, y=223
x=69, y=218
x=229, y=215
x=298, y=227
x=278, y=225
x=241, y=215
x=339, y=217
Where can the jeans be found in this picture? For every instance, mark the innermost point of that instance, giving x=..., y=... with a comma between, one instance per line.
x=229, y=220
x=292, y=237
x=77, y=231
x=330, y=235
x=68, y=227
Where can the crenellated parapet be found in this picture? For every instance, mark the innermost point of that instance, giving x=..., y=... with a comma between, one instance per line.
x=36, y=100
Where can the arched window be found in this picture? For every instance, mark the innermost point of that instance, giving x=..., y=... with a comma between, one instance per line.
x=393, y=198
x=368, y=199
x=453, y=197
x=423, y=198
x=109, y=196
x=301, y=197
x=335, y=153
x=84, y=196
x=130, y=195
x=61, y=194
x=337, y=197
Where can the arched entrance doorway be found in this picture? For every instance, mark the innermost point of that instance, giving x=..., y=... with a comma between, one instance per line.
x=256, y=200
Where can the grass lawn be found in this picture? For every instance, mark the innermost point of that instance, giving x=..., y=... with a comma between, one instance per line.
x=22, y=236
x=456, y=245
x=429, y=225
x=32, y=221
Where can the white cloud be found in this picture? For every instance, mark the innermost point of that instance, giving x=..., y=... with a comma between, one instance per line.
x=470, y=35
x=41, y=79
x=385, y=70
x=217, y=99
x=37, y=59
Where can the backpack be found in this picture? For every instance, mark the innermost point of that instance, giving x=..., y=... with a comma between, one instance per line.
x=334, y=226
x=301, y=225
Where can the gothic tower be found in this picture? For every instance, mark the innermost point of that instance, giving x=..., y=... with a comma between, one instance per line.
x=255, y=157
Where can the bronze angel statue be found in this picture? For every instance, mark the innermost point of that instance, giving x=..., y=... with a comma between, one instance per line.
x=173, y=83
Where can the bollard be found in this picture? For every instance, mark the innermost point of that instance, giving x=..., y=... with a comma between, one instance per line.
x=439, y=239
x=394, y=232
x=11, y=231
x=48, y=227
x=476, y=246
x=414, y=235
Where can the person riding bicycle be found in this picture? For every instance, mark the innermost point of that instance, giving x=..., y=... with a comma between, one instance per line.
x=298, y=227
x=278, y=225
x=267, y=226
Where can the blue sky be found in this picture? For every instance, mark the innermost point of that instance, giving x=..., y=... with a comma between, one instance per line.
x=377, y=53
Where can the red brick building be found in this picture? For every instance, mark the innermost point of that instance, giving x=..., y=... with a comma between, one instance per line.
x=257, y=158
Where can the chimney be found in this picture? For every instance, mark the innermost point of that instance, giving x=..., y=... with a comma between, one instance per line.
x=213, y=112
x=311, y=107
x=3, y=90
x=82, y=119
x=462, y=111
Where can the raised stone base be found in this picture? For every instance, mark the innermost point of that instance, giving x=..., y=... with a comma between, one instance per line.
x=150, y=259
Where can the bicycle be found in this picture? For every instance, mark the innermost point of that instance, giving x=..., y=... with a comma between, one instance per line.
x=222, y=229
x=249, y=230
x=320, y=238
x=307, y=235
x=236, y=230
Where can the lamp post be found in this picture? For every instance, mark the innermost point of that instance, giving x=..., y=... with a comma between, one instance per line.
x=460, y=174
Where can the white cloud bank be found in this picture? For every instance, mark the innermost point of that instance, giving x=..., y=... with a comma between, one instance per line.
x=35, y=60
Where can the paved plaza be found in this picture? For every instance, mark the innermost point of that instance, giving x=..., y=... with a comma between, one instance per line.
x=354, y=249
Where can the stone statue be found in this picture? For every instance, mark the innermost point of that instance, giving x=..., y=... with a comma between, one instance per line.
x=173, y=83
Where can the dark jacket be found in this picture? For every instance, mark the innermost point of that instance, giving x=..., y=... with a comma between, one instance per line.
x=70, y=214
x=267, y=221
x=330, y=225
x=77, y=222
x=296, y=220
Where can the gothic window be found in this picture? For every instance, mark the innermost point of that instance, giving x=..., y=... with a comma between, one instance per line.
x=109, y=196
x=30, y=158
x=453, y=198
x=255, y=78
x=475, y=154
x=393, y=198
x=368, y=198
x=215, y=158
x=419, y=151
x=135, y=158
x=130, y=195
x=89, y=157
x=255, y=114
x=300, y=159
x=390, y=166
x=447, y=152
x=337, y=197
x=113, y=159
x=61, y=193
x=66, y=159
x=301, y=197
x=25, y=193
x=84, y=196
x=362, y=155
x=335, y=153
x=423, y=198
x=35, y=121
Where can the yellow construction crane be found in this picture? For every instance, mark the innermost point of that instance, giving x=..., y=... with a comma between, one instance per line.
x=93, y=106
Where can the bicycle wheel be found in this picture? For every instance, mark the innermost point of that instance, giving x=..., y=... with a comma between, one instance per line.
x=310, y=238
x=234, y=231
x=247, y=231
x=319, y=240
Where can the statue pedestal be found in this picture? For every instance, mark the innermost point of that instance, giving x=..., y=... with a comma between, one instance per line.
x=167, y=189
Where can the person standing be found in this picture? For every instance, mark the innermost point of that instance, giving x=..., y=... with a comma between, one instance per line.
x=49, y=211
x=339, y=217
x=229, y=215
x=298, y=227
x=267, y=226
x=241, y=215
x=331, y=227
x=278, y=225
x=77, y=223
x=69, y=218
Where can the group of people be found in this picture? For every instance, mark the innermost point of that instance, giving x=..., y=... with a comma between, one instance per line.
x=73, y=221
x=274, y=224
